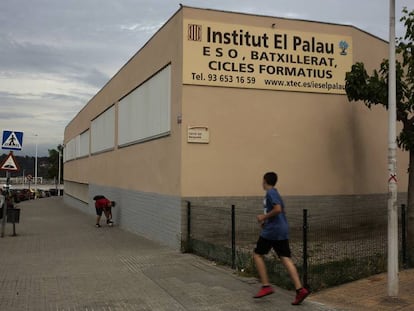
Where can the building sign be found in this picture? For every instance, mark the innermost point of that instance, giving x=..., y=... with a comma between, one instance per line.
x=231, y=55
x=198, y=134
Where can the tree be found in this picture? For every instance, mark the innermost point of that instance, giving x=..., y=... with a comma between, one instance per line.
x=53, y=171
x=373, y=90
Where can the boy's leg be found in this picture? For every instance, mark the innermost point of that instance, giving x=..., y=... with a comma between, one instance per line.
x=263, y=247
x=108, y=215
x=98, y=216
x=261, y=269
x=283, y=251
x=293, y=272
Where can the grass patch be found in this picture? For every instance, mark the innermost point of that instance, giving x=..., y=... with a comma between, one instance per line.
x=344, y=271
x=319, y=275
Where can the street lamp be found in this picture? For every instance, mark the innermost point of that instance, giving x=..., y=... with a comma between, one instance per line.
x=36, y=167
x=60, y=160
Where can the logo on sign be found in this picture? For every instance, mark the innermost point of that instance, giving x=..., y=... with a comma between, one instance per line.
x=343, y=45
x=194, y=32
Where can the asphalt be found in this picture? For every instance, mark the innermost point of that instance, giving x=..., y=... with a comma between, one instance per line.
x=60, y=261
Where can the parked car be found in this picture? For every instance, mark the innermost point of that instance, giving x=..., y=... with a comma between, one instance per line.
x=53, y=191
x=28, y=194
x=43, y=193
x=40, y=194
x=22, y=195
x=15, y=195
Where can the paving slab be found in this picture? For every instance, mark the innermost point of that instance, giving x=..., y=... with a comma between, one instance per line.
x=370, y=294
x=60, y=261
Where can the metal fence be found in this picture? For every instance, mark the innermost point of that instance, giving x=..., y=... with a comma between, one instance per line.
x=328, y=249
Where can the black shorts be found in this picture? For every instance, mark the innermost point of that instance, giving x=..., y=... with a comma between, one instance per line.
x=281, y=247
x=99, y=211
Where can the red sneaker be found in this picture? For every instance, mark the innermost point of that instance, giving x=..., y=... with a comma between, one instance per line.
x=264, y=291
x=301, y=296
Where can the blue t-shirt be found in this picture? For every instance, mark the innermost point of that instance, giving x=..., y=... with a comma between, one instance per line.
x=275, y=228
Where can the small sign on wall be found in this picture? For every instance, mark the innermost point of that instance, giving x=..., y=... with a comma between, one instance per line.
x=198, y=135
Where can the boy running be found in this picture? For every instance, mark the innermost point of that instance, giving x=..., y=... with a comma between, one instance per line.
x=275, y=234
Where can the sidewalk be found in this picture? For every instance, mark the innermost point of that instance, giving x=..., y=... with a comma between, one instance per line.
x=60, y=261
x=370, y=294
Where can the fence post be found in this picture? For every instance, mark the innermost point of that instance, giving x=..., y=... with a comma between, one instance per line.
x=404, y=235
x=305, y=248
x=233, y=237
x=189, y=244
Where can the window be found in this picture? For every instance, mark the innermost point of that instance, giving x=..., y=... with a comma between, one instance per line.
x=70, y=150
x=103, y=131
x=84, y=144
x=77, y=147
x=145, y=113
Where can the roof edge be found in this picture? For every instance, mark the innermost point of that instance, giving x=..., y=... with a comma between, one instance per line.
x=213, y=10
x=287, y=18
x=124, y=65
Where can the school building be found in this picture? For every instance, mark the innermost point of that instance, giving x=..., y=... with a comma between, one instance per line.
x=214, y=100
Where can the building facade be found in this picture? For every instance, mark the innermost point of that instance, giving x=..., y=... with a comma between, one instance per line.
x=215, y=99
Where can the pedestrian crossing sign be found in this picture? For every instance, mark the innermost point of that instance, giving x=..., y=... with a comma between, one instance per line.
x=12, y=140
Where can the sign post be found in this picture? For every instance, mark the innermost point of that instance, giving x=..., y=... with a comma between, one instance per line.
x=9, y=164
x=12, y=140
x=6, y=199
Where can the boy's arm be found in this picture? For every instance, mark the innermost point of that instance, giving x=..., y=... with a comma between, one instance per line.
x=277, y=209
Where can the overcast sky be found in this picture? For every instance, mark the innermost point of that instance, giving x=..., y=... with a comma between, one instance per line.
x=55, y=55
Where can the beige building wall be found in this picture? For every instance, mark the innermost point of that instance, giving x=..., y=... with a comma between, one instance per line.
x=326, y=150
x=153, y=166
x=143, y=178
x=77, y=190
x=320, y=144
x=371, y=128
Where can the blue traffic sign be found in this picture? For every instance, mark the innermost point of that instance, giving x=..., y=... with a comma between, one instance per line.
x=12, y=140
